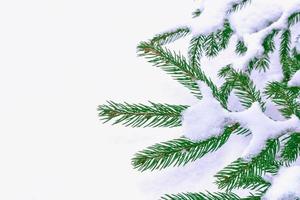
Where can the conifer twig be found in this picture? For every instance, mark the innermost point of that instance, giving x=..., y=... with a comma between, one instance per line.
x=140, y=115
x=202, y=196
x=244, y=174
x=178, y=152
x=291, y=149
x=177, y=66
x=170, y=36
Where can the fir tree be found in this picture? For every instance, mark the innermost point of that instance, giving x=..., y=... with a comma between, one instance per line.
x=279, y=150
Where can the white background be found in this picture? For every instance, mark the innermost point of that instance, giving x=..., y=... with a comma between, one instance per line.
x=59, y=59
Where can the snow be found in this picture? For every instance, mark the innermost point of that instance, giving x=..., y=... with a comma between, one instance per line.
x=297, y=43
x=285, y=186
x=204, y=119
x=207, y=119
x=262, y=127
x=212, y=16
x=295, y=80
x=255, y=16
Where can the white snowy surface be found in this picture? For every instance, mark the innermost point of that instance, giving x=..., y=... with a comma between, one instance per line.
x=212, y=16
x=285, y=186
x=262, y=127
x=297, y=43
x=206, y=118
x=295, y=80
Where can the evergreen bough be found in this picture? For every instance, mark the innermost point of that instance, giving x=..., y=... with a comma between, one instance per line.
x=240, y=174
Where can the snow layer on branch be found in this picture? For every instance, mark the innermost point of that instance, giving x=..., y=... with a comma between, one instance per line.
x=262, y=127
x=252, y=24
x=205, y=119
x=212, y=17
x=286, y=185
x=295, y=80
x=208, y=118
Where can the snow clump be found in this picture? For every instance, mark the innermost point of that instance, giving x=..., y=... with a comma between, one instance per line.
x=286, y=185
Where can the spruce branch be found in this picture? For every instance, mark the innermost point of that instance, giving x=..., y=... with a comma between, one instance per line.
x=224, y=35
x=211, y=46
x=196, y=13
x=178, y=152
x=226, y=90
x=285, y=97
x=256, y=183
x=240, y=48
x=285, y=53
x=217, y=41
x=202, y=196
x=242, y=131
x=294, y=19
x=244, y=87
x=294, y=63
x=170, y=36
x=269, y=43
x=238, y=6
x=291, y=149
x=262, y=62
x=253, y=183
x=195, y=50
x=241, y=173
x=174, y=64
x=253, y=197
x=177, y=66
x=140, y=115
